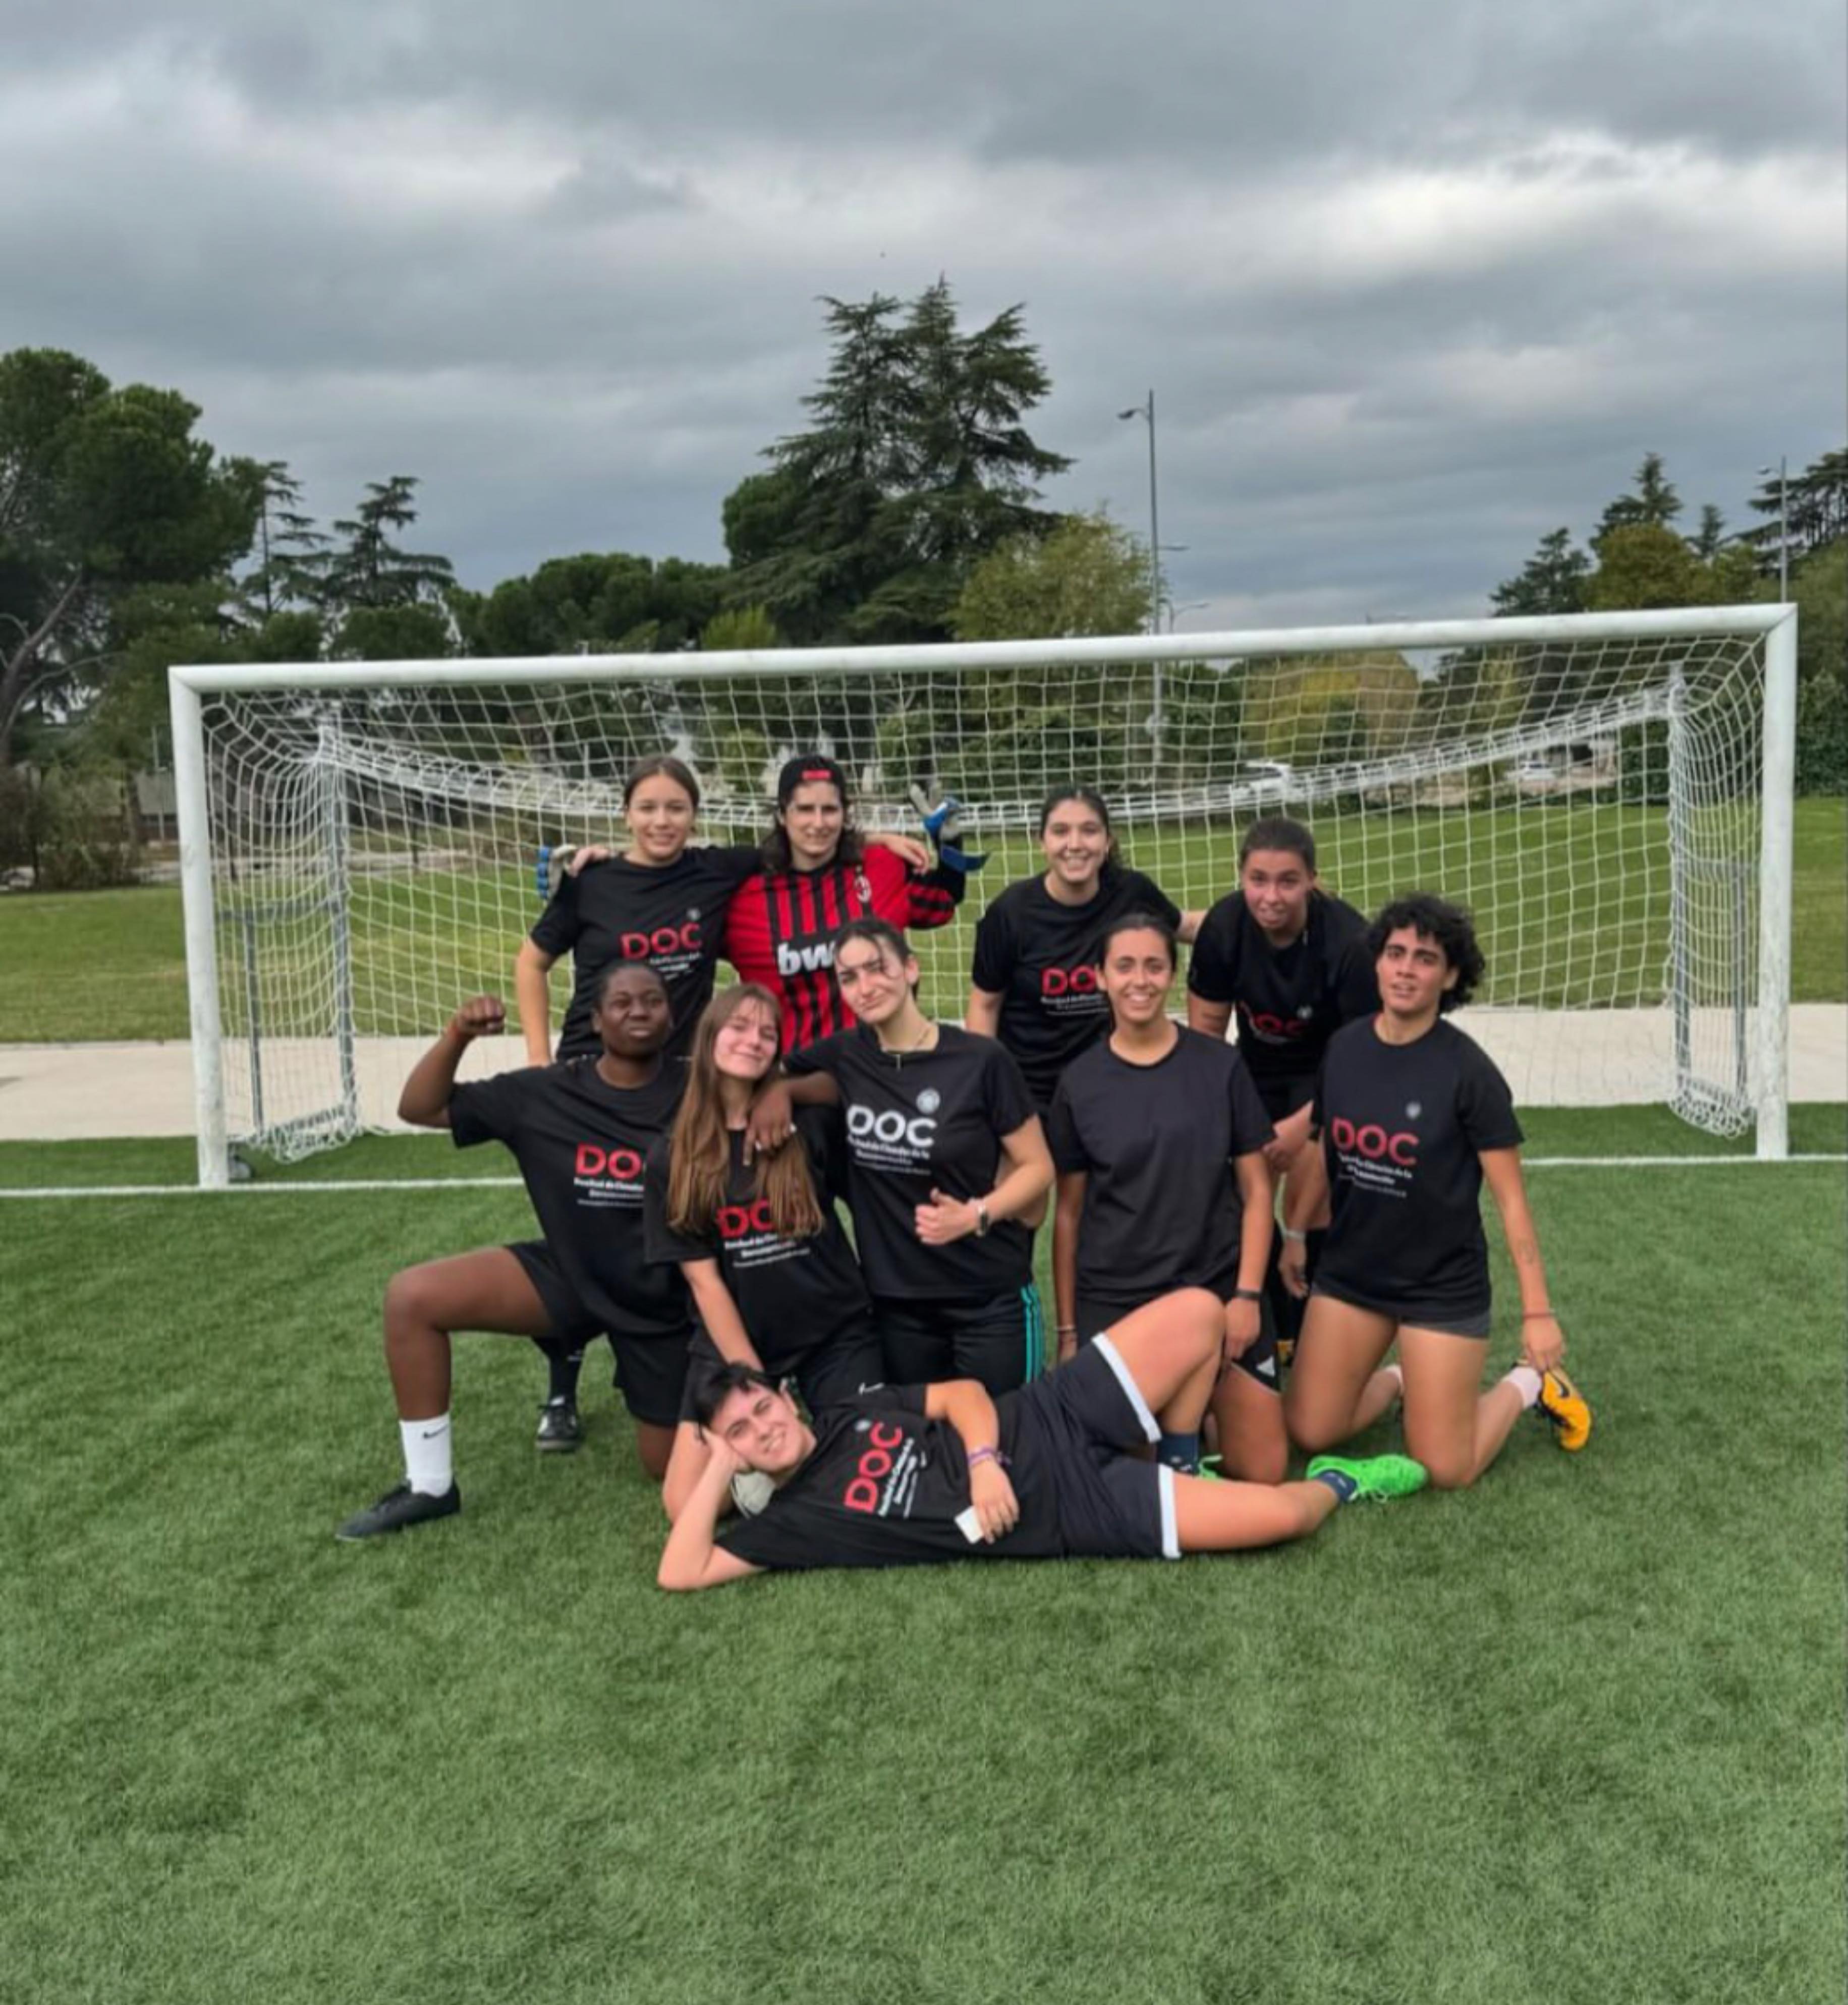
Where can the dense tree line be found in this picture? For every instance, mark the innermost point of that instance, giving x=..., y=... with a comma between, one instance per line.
x=908, y=509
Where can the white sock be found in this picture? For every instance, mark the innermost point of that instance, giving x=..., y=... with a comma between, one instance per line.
x=1526, y=1381
x=1395, y=1371
x=428, y=1458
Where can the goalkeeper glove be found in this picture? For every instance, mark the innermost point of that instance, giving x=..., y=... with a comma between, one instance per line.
x=942, y=816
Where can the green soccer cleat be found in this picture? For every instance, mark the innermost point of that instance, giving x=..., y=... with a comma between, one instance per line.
x=1375, y=1477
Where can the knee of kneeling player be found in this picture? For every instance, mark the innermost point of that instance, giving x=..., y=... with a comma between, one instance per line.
x=407, y=1300
x=1311, y=1432
x=1200, y=1310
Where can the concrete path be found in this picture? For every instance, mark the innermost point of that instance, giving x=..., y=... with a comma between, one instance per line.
x=99, y=1092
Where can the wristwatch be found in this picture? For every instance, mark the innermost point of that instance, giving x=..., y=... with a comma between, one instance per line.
x=982, y=1220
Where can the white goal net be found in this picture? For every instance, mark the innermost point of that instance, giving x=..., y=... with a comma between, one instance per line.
x=365, y=846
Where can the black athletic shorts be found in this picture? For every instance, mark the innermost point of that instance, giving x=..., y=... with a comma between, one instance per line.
x=1260, y=1361
x=834, y=1372
x=1449, y=1322
x=1079, y=1424
x=1283, y=1097
x=650, y=1370
x=1000, y=1339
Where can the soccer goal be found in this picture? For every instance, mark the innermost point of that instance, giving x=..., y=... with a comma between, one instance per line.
x=363, y=845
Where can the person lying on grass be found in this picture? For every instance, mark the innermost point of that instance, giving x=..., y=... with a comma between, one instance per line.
x=906, y=1474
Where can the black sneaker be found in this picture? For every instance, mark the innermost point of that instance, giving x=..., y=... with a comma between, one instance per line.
x=399, y=1508
x=560, y=1432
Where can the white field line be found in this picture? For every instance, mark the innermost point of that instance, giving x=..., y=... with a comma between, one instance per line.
x=238, y=1190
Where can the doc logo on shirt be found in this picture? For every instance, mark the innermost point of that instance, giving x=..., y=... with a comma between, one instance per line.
x=888, y=1138
x=605, y=1175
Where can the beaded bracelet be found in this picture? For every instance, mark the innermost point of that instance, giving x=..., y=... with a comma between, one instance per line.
x=993, y=1455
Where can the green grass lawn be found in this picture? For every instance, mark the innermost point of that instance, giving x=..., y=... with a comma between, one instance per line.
x=111, y=964
x=1574, y=1736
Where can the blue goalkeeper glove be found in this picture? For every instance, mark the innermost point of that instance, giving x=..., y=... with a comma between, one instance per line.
x=942, y=816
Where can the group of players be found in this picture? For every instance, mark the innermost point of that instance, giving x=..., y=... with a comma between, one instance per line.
x=887, y=1398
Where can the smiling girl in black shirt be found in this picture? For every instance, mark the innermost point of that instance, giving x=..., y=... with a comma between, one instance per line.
x=580, y=1131
x=1158, y=1136
x=1035, y=981
x=947, y=1171
x=774, y=1279
x=1413, y=1117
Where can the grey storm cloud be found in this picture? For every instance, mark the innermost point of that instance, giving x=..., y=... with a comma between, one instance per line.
x=1413, y=283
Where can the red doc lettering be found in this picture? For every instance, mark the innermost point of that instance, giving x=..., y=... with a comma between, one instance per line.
x=861, y=1495
x=591, y=1160
x=1403, y=1149
x=875, y=1462
x=734, y=1221
x=633, y=947
x=1053, y=981
x=885, y=1437
x=760, y=1216
x=1342, y=1131
x=1371, y=1142
x=624, y=1163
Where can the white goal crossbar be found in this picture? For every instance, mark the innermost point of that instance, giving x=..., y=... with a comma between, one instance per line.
x=1190, y=779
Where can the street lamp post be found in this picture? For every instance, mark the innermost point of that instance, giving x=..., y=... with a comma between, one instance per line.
x=1147, y=412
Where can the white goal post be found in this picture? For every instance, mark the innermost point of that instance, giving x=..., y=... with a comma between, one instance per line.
x=361, y=845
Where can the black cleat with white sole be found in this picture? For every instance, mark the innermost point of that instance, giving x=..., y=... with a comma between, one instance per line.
x=399, y=1509
x=560, y=1432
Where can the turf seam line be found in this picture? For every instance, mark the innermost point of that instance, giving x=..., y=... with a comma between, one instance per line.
x=364, y=1183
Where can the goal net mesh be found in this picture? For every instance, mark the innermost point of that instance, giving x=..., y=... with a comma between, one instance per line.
x=378, y=853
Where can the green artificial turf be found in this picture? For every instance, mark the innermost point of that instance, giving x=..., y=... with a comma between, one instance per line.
x=1574, y=1736
x=111, y=964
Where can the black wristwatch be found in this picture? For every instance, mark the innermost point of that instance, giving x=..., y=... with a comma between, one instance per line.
x=1248, y=1294
x=982, y=1220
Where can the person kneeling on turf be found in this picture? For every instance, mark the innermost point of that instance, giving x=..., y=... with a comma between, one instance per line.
x=906, y=1474
x=580, y=1131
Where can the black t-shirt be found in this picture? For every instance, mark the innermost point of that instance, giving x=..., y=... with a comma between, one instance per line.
x=1156, y=1144
x=918, y=1120
x=673, y=918
x=1289, y=1001
x=1039, y=957
x=884, y=1487
x=793, y=1296
x=581, y=1146
x=1402, y=1127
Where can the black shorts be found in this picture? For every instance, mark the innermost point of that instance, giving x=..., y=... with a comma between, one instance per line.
x=1283, y=1097
x=848, y=1362
x=1260, y=1361
x=1000, y=1339
x=1079, y=1425
x=1448, y=1321
x=650, y=1370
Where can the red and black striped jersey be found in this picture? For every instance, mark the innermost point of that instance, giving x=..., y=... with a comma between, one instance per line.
x=780, y=930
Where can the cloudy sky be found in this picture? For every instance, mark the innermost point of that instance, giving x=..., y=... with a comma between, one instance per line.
x=1413, y=281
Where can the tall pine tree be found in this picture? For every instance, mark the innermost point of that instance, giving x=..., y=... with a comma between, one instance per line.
x=917, y=463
